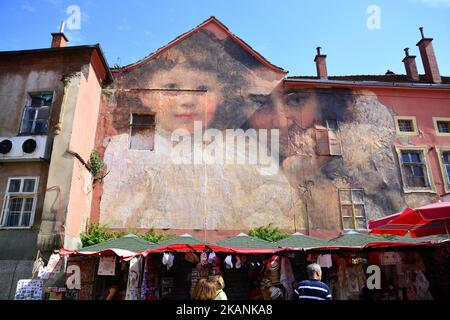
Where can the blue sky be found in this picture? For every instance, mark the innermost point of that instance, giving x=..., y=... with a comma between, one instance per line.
x=286, y=32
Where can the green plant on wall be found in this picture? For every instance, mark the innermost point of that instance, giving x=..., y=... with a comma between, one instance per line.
x=96, y=233
x=154, y=236
x=268, y=233
x=96, y=165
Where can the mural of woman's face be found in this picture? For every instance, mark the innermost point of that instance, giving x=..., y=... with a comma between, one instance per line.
x=283, y=110
x=184, y=95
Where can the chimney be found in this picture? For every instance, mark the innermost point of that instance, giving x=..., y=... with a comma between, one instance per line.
x=321, y=64
x=410, y=66
x=59, y=39
x=429, y=59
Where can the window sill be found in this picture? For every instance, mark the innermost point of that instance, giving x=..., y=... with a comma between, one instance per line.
x=407, y=134
x=419, y=191
x=355, y=230
x=16, y=228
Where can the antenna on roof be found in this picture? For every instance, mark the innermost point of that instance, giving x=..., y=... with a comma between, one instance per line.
x=62, y=25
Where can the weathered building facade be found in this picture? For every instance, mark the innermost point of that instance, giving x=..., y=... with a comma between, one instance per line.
x=347, y=149
x=207, y=137
x=49, y=100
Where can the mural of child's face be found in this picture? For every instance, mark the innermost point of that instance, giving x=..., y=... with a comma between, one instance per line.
x=186, y=95
x=283, y=110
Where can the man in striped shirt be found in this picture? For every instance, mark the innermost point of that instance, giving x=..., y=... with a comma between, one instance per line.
x=313, y=289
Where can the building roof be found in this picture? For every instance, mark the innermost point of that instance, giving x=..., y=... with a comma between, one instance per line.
x=181, y=239
x=386, y=78
x=298, y=240
x=96, y=48
x=354, y=239
x=129, y=242
x=408, y=238
x=216, y=22
x=245, y=241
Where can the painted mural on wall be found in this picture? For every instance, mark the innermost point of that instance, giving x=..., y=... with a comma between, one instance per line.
x=292, y=148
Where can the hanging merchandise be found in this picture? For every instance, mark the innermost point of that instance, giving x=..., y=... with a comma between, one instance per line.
x=107, y=266
x=324, y=260
x=134, y=279
x=149, y=288
x=389, y=258
x=238, y=263
x=229, y=262
x=287, y=278
x=211, y=257
x=54, y=266
x=312, y=257
x=349, y=281
x=375, y=258
x=167, y=259
x=204, y=258
x=29, y=289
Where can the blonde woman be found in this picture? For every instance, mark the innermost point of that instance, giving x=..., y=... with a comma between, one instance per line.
x=204, y=290
x=220, y=285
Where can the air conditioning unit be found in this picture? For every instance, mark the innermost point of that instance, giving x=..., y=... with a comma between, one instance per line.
x=25, y=148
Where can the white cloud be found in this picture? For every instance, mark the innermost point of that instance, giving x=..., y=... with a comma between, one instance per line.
x=28, y=8
x=434, y=3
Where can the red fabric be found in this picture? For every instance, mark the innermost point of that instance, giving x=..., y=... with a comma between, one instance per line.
x=428, y=220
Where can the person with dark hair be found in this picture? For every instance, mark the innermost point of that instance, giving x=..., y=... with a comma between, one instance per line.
x=116, y=291
x=313, y=289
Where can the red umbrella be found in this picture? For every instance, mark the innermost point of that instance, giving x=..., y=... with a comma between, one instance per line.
x=428, y=220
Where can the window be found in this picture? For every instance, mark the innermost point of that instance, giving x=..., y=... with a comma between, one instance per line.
x=327, y=138
x=36, y=113
x=406, y=125
x=444, y=159
x=20, y=202
x=142, y=132
x=414, y=169
x=446, y=162
x=442, y=126
x=353, y=213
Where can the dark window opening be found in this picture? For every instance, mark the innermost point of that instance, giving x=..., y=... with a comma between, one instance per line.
x=142, y=132
x=36, y=113
x=443, y=126
x=414, y=169
x=405, y=125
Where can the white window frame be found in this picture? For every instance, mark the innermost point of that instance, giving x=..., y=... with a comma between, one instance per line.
x=431, y=188
x=28, y=105
x=436, y=127
x=413, y=120
x=445, y=177
x=4, y=213
x=352, y=203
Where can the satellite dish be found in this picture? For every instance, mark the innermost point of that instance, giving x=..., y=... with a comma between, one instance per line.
x=5, y=146
x=29, y=146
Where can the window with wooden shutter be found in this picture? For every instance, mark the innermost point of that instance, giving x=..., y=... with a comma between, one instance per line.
x=327, y=139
